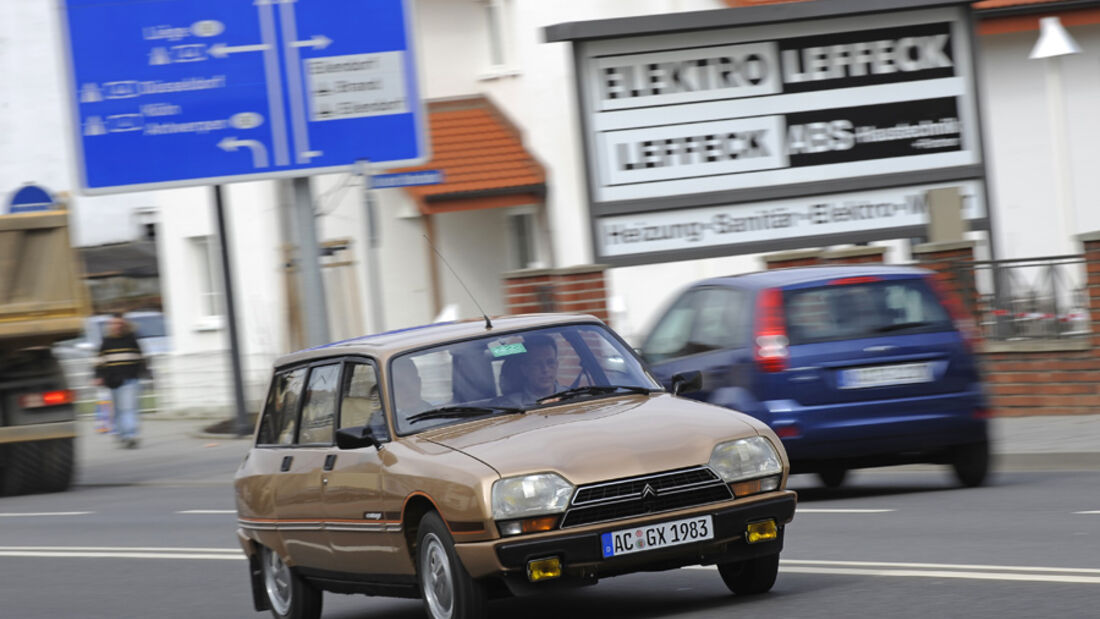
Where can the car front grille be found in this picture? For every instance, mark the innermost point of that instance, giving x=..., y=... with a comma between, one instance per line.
x=637, y=496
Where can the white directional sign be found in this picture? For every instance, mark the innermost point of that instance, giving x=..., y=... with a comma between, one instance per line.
x=188, y=92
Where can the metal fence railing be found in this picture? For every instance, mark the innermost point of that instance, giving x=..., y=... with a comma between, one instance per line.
x=1028, y=298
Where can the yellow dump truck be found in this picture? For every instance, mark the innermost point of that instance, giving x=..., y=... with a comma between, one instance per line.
x=43, y=300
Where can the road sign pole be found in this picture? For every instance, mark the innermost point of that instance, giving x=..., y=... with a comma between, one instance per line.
x=231, y=314
x=374, y=286
x=315, y=313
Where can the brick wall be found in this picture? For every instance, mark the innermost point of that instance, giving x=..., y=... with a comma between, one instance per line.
x=1029, y=377
x=574, y=290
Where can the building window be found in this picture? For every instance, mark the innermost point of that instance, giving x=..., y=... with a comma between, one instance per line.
x=496, y=18
x=208, y=286
x=522, y=229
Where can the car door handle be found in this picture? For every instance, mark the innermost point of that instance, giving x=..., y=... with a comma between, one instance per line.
x=330, y=462
x=287, y=461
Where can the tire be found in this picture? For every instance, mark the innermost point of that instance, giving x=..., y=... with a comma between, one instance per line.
x=22, y=469
x=832, y=477
x=288, y=595
x=57, y=465
x=971, y=464
x=750, y=577
x=448, y=589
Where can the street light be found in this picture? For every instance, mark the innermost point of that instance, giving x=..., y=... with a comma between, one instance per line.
x=1055, y=42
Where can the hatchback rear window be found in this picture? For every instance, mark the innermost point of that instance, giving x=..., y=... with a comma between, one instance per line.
x=864, y=309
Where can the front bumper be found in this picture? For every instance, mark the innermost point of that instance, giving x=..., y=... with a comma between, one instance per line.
x=582, y=559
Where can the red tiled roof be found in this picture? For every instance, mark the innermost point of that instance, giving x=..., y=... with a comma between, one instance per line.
x=482, y=158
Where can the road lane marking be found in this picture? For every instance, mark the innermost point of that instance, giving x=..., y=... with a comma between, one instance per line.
x=963, y=575
x=208, y=511
x=41, y=514
x=942, y=566
x=824, y=510
x=1012, y=573
x=107, y=552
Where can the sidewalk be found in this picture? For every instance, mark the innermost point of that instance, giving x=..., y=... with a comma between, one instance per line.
x=178, y=451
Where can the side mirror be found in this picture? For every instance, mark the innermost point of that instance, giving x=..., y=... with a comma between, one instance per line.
x=687, y=382
x=356, y=437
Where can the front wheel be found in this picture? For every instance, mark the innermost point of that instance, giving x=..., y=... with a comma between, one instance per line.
x=750, y=577
x=288, y=595
x=448, y=589
x=971, y=463
x=832, y=477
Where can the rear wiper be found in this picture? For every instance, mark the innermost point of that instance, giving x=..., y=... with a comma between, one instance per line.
x=592, y=390
x=903, y=325
x=452, y=412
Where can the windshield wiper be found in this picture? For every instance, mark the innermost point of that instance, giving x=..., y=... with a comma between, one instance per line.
x=575, y=392
x=453, y=412
x=904, y=325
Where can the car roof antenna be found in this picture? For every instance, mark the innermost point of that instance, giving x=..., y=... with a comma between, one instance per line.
x=488, y=323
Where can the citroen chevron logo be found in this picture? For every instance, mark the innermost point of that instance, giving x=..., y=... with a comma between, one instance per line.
x=648, y=492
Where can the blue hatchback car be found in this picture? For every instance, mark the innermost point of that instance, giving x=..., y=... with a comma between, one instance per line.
x=852, y=366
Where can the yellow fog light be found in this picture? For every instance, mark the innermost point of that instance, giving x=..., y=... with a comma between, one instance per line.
x=761, y=531
x=543, y=569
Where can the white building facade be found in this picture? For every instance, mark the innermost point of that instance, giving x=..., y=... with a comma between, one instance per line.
x=491, y=50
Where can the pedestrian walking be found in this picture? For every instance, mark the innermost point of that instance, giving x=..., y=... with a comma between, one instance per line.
x=120, y=368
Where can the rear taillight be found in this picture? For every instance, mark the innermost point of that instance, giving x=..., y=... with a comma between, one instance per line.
x=771, y=331
x=46, y=398
x=964, y=322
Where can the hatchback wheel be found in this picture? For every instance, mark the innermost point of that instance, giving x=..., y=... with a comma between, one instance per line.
x=832, y=477
x=448, y=589
x=288, y=596
x=971, y=463
x=750, y=577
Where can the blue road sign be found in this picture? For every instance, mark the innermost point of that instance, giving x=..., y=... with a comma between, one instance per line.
x=406, y=179
x=30, y=198
x=192, y=92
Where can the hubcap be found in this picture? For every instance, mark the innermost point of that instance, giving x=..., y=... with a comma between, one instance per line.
x=435, y=578
x=276, y=581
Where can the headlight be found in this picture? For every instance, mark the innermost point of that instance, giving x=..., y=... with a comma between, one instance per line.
x=530, y=495
x=745, y=459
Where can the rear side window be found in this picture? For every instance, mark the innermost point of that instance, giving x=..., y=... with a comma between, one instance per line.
x=867, y=309
x=702, y=320
x=280, y=418
x=319, y=408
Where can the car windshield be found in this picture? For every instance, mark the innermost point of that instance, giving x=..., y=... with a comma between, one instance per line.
x=859, y=310
x=511, y=373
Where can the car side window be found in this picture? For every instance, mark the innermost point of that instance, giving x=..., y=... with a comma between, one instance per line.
x=319, y=407
x=360, y=404
x=280, y=417
x=672, y=332
x=719, y=319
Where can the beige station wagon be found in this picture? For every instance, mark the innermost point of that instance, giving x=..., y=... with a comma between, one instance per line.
x=464, y=461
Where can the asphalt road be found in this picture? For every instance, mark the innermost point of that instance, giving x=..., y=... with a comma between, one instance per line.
x=150, y=534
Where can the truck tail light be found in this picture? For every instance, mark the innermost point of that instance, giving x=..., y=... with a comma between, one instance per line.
x=46, y=399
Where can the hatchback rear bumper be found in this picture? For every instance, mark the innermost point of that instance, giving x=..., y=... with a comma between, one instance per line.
x=881, y=432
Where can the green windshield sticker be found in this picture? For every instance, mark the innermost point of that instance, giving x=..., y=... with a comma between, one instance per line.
x=505, y=350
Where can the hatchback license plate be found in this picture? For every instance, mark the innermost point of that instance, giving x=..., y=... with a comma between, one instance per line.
x=654, y=536
x=883, y=375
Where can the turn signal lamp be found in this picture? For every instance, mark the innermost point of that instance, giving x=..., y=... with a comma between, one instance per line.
x=543, y=569
x=527, y=525
x=764, y=531
x=754, y=486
